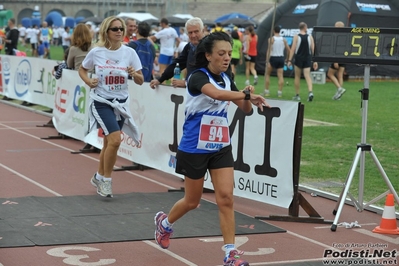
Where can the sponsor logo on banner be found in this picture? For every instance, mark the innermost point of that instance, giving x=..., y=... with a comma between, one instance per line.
x=47, y=81
x=372, y=8
x=6, y=67
x=127, y=142
x=60, y=99
x=172, y=161
x=289, y=33
x=22, y=78
x=300, y=9
x=79, y=105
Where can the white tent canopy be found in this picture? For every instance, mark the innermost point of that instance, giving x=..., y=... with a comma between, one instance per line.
x=183, y=16
x=137, y=16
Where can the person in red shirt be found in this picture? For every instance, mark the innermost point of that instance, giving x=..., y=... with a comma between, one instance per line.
x=251, y=53
x=131, y=29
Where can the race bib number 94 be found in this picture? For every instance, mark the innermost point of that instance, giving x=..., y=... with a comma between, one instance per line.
x=214, y=133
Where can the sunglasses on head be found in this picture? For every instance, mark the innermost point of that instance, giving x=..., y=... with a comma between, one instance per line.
x=116, y=29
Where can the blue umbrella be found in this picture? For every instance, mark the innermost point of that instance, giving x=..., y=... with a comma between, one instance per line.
x=232, y=15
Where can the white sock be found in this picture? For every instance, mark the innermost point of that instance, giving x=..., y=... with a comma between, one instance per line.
x=165, y=223
x=99, y=177
x=107, y=179
x=228, y=248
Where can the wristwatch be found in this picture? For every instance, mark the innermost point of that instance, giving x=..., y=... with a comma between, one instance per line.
x=247, y=94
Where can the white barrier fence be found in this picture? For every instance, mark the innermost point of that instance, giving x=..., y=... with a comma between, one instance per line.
x=262, y=141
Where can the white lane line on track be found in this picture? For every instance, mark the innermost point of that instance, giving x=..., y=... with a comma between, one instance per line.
x=30, y=180
x=170, y=253
x=312, y=241
x=288, y=262
x=161, y=184
x=84, y=155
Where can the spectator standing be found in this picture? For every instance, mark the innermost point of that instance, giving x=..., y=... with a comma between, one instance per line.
x=56, y=36
x=251, y=52
x=109, y=109
x=27, y=38
x=131, y=30
x=11, y=38
x=168, y=40
x=240, y=34
x=277, y=46
x=195, y=31
x=40, y=50
x=209, y=93
x=22, y=34
x=145, y=50
x=34, y=39
x=236, y=55
x=45, y=38
x=218, y=27
x=81, y=43
x=60, y=32
x=303, y=49
x=338, y=70
x=66, y=38
x=183, y=35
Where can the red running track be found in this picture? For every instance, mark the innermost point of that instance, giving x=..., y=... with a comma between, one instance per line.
x=32, y=166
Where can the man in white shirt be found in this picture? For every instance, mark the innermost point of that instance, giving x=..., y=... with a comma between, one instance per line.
x=168, y=39
x=33, y=37
x=60, y=30
x=22, y=34
x=56, y=36
x=66, y=38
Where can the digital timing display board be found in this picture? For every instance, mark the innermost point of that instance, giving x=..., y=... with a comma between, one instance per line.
x=359, y=45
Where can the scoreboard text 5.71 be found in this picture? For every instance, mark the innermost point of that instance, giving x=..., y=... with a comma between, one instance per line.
x=360, y=45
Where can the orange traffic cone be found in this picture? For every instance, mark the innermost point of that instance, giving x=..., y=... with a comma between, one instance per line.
x=388, y=220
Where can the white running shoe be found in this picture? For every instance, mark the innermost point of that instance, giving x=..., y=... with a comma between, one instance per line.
x=105, y=188
x=339, y=94
x=296, y=98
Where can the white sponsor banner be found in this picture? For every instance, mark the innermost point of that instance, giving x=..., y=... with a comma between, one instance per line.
x=262, y=142
x=70, y=113
x=28, y=79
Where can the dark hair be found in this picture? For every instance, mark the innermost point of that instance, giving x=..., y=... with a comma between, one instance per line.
x=206, y=46
x=164, y=21
x=143, y=29
x=234, y=35
x=251, y=30
x=277, y=29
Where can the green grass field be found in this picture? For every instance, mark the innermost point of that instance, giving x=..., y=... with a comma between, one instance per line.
x=328, y=151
